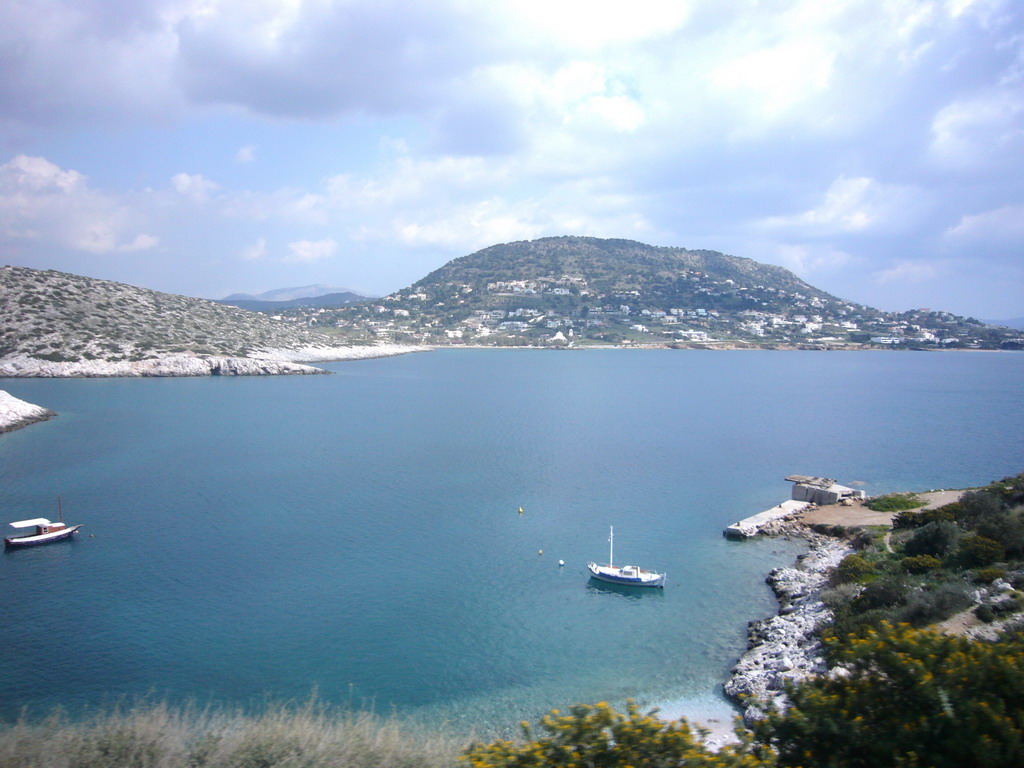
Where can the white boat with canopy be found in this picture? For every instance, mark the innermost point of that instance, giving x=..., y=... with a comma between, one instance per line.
x=45, y=532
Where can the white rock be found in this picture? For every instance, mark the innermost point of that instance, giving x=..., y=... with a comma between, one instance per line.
x=15, y=413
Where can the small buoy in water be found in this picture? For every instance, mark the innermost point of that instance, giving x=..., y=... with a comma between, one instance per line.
x=561, y=563
x=540, y=551
x=520, y=510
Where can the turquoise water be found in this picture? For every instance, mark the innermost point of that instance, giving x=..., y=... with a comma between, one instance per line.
x=254, y=539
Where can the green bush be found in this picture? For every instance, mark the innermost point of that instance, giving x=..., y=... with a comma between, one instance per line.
x=975, y=506
x=851, y=569
x=978, y=550
x=600, y=737
x=985, y=613
x=894, y=502
x=915, y=519
x=934, y=603
x=937, y=538
x=988, y=575
x=910, y=698
x=886, y=592
x=920, y=563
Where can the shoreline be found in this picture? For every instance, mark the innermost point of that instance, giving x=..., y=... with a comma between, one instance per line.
x=15, y=413
x=784, y=648
x=264, y=362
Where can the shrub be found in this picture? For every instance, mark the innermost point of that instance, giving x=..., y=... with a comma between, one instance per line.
x=936, y=538
x=988, y=575
x=909, y=697
x=852, y=568
x=985, y=613
x=886, y=592
x=927, y=606
x=977, y=505
x=920, y=563
x=601, y=737
x=1005, y=528
x=894, y=502
x=912, y=519
x=980, y=550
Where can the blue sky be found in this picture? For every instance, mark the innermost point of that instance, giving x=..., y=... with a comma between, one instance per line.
x=207, y=147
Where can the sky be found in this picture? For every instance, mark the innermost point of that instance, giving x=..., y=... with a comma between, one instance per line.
x=208, y=147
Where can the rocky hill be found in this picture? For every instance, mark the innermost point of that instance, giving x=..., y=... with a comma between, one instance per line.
x=58, y=324
x=574, y=291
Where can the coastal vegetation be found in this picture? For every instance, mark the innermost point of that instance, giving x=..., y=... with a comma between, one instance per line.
x=936, y=562
x=895, y=502
x=156, y=735
x=59, y=317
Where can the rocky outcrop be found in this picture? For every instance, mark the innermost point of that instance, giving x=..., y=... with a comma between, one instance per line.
x=171, y=365
x=15, y=413
x=265, y=362
x=784, y=648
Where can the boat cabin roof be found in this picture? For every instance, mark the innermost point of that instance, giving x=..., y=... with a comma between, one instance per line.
x=30, y=523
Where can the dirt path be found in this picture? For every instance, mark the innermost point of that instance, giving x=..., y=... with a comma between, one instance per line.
x=857, y=514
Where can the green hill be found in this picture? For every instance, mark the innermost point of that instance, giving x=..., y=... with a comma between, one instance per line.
x=585, y=290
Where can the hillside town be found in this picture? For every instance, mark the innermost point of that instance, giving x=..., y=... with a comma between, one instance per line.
x=565, y=311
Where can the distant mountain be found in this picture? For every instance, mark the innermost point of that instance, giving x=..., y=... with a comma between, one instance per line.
x=584, y=290
x=288, y=294
x=327, y=300
x=58, y=317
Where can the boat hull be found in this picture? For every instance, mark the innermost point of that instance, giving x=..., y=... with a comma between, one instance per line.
x=613, y=575
x=44, y=538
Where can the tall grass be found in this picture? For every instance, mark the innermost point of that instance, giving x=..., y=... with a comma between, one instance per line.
x=149, y=735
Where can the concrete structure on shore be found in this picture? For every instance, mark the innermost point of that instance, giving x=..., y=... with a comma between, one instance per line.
x=821, y=490
x=807, y=491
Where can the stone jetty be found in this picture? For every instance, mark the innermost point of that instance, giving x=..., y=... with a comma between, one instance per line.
x=751, y=526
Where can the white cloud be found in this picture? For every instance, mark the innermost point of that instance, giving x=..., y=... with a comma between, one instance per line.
x=140, y=243
x=979, y=130
x=849, y=205
x=910, y=271
x=809, y=259
x=194, y=186
x=307, y=251
x=43, y=203
x=1005, y=224
x=591, y=24
x=246, y=154
x=769, y=82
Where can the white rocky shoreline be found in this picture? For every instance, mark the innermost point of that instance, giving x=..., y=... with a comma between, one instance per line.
x=784, y=648
x=266, y=362
x=15, y=413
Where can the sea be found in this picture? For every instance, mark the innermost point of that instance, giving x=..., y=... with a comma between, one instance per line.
x=410, y=534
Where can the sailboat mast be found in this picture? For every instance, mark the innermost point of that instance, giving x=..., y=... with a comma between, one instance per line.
x=611, y=544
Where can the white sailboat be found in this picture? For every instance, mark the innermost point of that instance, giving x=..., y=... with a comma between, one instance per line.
x=631, y=575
